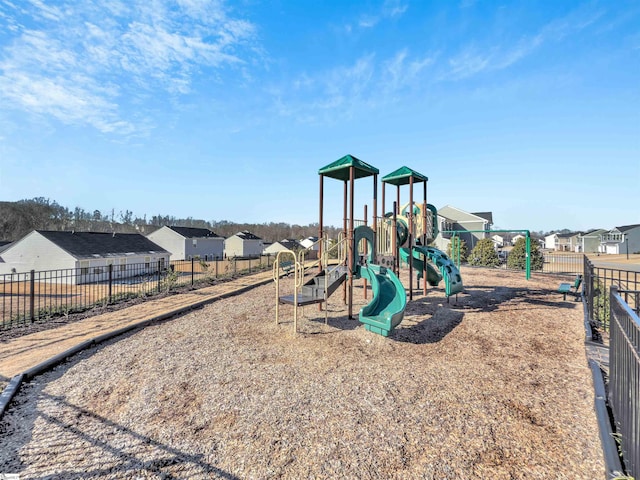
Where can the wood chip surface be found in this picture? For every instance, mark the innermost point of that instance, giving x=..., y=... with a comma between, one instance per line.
x=495, y=385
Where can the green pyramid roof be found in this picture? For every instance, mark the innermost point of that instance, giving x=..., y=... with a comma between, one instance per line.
x=340, y=168
x=403, y=175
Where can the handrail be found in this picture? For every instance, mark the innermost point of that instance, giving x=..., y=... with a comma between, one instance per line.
x=342, y=257
x=297, y=282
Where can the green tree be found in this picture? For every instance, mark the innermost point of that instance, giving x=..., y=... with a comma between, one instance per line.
x=452, y=252
x=484, y=254
x=517, y=258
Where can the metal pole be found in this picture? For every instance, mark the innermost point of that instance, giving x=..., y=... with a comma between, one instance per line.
x=32, y=295
x=366, y=249
x=192, y=268
x=411, y=237
x=320, y=223
x=110, y=281
x=350, y=245
x=528, y=256
x=394, y=239
x=344, y=230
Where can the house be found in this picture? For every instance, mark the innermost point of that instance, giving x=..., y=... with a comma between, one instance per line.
x=515, y=238
x=312, y=246
x=185, y=243
x=621, y=240
x=243, y=244
x=454, y=219
x=498, y=241
x=589, y=242
x=4, y=244
x=87, y=255
x=286, y=244
x=562, y=242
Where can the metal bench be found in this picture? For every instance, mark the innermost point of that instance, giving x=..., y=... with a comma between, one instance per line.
x=287, y=267
x=565, y=288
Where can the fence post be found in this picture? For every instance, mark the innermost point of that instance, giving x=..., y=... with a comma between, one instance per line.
x=159, y=264
x=249, y=266
x=192, y=265
x=216, y=267
x=110, y=282
x=32, y=294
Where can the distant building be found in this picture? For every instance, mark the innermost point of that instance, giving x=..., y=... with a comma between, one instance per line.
x=243, y=244
x=312, y=246
x=589, y=242
x=625, y=239
x=88, y=255
x=471, y=226
x=286, y=244
x=185, y=243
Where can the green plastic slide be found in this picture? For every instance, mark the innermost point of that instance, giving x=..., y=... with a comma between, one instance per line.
x=433, y=277
x=386, y=309
x=448, y=269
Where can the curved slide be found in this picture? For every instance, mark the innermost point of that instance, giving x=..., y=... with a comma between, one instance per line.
x=433, y=277
x=448, y=269
x=386, y=309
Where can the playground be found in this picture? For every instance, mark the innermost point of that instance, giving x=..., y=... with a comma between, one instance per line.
x=380, y=363
x=495, y=385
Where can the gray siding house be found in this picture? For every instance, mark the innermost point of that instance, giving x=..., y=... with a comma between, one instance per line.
x=243, y=244
x=589, y=242
x=621, y=240
x=452, y=218
x=89, y=255
x=185, y=243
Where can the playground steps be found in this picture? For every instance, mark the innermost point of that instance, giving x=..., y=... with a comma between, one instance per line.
x=313, y=290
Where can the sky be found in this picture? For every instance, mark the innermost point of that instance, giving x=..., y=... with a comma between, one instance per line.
x=227, y=110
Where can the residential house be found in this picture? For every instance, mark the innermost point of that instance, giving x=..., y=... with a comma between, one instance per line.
x=621, y=240
x=562, y=242
x=471, y=227
x=87, y=255
x=243, y=244
x=515, y=238
x=312, y=246
x=186, y=243
x=589, y=242
x=498, y=241
x=286, y=244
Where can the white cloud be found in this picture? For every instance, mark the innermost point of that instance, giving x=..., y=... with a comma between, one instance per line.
x=68, y=64
x=390, y=9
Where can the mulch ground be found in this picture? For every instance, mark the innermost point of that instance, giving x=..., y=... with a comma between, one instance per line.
x=495, y=385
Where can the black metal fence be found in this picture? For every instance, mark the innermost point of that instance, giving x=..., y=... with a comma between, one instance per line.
x=624, y=381
x=563, y=262
x=42, y=295
x=598, y=281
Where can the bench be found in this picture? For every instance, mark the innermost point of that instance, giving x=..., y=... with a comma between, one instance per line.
x=287, y=267
x=565, y=288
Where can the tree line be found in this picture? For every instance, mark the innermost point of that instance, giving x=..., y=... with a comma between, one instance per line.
x=19, y=218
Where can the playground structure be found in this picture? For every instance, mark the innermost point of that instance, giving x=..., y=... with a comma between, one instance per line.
x=372, y=253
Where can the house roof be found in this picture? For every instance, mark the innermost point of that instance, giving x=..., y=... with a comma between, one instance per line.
x=340, y=169
x=627, y=227
x=94, y=244
x=458, y=215
x=488, y=216
x=403, y=175
x=4, y=244
x=188, y=232
x=290, y=243
x=247, y=235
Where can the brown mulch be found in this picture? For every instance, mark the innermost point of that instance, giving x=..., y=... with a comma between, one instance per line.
x=495, y=385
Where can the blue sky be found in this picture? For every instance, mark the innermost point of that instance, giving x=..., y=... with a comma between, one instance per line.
x=226, y=110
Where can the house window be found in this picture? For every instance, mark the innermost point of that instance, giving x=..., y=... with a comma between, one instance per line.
x=98, y=271
x=195, y=243
x=162, y=260
x=123, y=264
x=84, y=267
x=147, y=262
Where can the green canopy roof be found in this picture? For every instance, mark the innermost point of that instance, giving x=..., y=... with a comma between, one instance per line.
x=340, y=168
x=402, y=176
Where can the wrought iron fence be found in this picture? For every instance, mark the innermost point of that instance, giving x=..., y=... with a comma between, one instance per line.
x=624, y=381
x=42, y=295
x=563, y=262
x=598, y=281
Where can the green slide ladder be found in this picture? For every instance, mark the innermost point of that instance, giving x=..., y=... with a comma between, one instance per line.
x=386, y=309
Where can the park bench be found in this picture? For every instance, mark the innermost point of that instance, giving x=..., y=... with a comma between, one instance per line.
x=287, y=267
x=565, y=288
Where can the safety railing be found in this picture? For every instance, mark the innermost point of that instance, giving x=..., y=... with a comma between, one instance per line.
x=624, y=380
x=39, y=296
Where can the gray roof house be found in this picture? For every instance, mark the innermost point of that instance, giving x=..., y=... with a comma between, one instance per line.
x=90, y=254
x=589, y=242
x=286, y=244
x=619, y=240
x=186, y=243
x=244, y=245
x=453, y=218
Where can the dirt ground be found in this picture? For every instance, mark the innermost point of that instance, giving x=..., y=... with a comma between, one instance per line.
x=495, y=385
